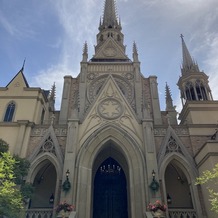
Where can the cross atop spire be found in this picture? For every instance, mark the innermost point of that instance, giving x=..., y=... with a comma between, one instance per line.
x=188, y=62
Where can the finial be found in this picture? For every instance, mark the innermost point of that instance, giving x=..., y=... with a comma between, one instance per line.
x=22, y=69
x=181, y=36
x=135, y=52
x=85, y=52
x=52, y=119
x=169, y=101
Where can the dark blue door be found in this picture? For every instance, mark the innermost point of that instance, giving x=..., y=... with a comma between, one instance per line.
x=110, y=193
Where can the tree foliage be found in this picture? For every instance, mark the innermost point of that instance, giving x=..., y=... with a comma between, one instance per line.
x=3, y=146
x=11, y=203
x=210, y=176
x=13, y=189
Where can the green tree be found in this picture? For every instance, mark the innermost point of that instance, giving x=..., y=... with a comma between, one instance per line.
x=207, y=177
x=11, y=204
x=20, y=171
x=3, y=146
x=13, y=189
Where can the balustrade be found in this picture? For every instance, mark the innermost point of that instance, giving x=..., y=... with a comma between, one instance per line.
x=39, y=213
x=182, y=213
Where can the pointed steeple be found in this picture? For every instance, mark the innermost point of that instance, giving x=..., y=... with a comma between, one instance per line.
x=188, y=64
x=193, y=83
x=110, y=15
x=110, y=38
x=169, y=101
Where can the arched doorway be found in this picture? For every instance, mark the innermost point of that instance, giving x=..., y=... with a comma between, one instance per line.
x=177, y=187
x=45, y=185
x=110, y=191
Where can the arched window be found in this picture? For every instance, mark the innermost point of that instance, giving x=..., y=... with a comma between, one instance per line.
x=200, y=89
x=189, y=90
x=9, y=112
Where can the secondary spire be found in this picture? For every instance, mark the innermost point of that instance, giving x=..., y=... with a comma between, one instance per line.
x=188, y=62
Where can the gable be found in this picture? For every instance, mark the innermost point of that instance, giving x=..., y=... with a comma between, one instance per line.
x=18, y=81
x=49, y=144
x=110, y=107
x=110, y=50
x=172, y=145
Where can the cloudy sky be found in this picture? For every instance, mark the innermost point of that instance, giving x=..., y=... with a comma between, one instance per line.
x=50, y=35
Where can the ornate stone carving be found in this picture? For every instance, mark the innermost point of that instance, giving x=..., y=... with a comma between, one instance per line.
x=91, y=76
x=124, y=85
x=172, y=146
x=41, y=131
x=48, y=146
x=129, y=76
x=74, y=94
x=110, y=52
x=178, y=131
x=110, y=109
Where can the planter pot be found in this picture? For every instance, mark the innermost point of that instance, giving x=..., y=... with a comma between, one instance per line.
x=63, y=214
x=158, y=214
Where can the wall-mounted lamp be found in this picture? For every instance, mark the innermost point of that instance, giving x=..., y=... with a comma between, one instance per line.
x=153, y=174
x=154, y=186
x=67, y=185
x=169, y=199
x=51, y=199
x=67, y=174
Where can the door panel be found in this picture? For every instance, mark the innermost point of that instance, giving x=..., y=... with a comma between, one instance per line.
x=110, y=194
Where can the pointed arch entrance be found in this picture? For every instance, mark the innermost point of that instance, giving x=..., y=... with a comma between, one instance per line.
x=178, y=176
x=45, y=185
x=177, y=187
x=111, y=141
x=110, y=183
x=110, y=191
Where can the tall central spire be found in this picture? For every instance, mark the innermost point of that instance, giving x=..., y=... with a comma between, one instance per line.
x=110, y=38
x=110, y=15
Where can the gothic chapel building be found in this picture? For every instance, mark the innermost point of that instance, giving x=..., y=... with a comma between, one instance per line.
x=110, y=150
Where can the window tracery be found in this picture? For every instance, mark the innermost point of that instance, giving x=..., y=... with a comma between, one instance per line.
x=9, y=112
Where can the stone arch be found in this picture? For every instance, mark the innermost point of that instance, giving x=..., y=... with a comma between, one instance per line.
x=189, y=171
x=128, y=150
x=39, y=162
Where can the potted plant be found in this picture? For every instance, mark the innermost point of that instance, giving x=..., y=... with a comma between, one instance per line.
x=157, y=208
x=63, y=209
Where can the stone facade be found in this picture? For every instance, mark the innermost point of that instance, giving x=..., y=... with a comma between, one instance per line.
x=112, y=112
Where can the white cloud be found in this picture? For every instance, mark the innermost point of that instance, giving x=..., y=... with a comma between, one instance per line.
x=9, y=27
x=155, y=25
x=46, y=78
